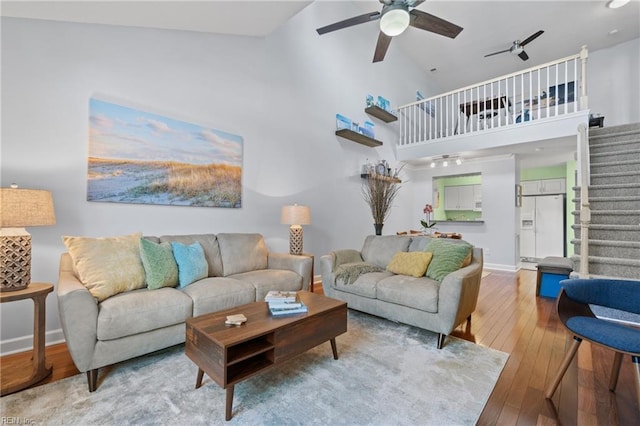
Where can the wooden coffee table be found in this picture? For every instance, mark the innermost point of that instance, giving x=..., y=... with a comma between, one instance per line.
x=231, y=354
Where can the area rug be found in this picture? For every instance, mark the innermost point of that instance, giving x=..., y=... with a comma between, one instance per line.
x=387, y=373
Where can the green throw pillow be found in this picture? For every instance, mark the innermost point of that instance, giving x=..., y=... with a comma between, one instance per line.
x=192, y=265
x=159, y=265
x=447, y=257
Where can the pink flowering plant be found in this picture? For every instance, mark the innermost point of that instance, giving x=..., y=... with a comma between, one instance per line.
x=428, y=209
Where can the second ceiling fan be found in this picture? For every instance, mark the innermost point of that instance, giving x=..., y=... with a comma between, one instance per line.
x=517, y=48
x=395, y=17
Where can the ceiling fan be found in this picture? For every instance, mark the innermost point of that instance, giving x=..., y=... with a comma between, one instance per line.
x=395, y=17
x=517, y=48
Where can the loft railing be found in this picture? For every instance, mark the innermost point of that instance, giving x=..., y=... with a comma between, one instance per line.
x=537, y=93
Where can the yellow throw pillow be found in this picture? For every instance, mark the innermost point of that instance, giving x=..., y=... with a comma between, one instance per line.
x=413, y=263
x=107, y=266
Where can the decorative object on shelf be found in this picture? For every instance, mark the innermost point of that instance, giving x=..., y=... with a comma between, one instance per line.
x=20, y=208
x=295, y=216
x=369, y=101
x=427, y=224
x=342, y=122
x=384, y=103
x=379, y=195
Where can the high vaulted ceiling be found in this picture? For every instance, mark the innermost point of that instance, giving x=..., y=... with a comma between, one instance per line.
x=489, y=26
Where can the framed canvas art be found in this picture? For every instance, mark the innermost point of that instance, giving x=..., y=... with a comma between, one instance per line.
x=144, y=158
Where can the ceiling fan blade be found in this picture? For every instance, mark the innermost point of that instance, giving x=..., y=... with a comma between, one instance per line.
x=428, y=22
x=367, y=17
x=532, y=37
x=523, y=55
x=496, y=53
x=382, y=46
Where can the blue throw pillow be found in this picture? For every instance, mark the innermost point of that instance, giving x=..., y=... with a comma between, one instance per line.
x=192, y=265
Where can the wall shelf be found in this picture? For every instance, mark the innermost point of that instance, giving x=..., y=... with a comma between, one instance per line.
x=358, y=137
x=380, y=113
x=380, y=177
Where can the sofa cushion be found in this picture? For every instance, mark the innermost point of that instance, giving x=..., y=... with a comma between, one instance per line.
x=209, y=243
x=448, y=256
x=192, y=265
x=419, y=242
x=270, y=279
x=215, y=294
x=140, y=311
x=242, y=253
x=160, y=266
x=365, y=285
x=346, y=256
x=379, y=250
x=107, y=265
x=418, y=293
x=410, y=263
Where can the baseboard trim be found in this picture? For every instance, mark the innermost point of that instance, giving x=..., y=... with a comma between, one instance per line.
x=500, y=267
x=25, y=343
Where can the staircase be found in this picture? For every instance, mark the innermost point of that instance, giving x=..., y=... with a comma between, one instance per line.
x=614, y=199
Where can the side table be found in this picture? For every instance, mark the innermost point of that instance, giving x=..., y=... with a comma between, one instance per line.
x=20, y=378
x=312, y=276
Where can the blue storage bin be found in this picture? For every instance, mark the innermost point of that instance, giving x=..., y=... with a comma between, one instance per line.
x=552, y=270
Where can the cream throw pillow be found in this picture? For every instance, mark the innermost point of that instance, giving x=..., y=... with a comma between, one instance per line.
x=107, y=266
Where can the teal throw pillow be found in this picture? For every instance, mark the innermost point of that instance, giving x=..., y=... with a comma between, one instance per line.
x=192, y=265
x=159, y=264
x=447, y=257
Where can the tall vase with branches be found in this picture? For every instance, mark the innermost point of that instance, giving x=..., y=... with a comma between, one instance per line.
x=379, y=194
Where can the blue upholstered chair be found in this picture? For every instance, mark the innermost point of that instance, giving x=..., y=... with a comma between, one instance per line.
x=576, y=315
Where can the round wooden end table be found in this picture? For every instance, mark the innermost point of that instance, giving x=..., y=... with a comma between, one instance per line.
x=20, y=378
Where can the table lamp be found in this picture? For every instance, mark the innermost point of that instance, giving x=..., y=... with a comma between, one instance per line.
x=295, y=216
x=20, y=208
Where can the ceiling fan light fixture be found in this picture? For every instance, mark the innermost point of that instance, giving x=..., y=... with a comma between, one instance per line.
x=614, y=4
x=395, y=20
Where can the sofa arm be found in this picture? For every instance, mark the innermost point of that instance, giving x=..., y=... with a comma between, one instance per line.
x=459, y=291
x=78, y=311
x=302, y=265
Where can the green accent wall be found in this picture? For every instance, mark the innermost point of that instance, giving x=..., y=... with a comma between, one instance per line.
x=439, y=213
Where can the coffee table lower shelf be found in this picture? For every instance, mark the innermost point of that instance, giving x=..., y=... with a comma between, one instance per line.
x=230, y=355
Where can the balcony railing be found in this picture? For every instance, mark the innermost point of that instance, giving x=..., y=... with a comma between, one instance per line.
x=550, y=90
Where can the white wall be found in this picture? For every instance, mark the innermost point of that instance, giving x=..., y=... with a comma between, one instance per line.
x=281, y=93
x=613, y=83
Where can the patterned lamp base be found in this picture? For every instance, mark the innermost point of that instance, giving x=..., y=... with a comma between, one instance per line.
x=295, y=239
x=15, y=262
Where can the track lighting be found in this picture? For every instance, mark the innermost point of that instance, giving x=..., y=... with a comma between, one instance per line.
x=445, y=161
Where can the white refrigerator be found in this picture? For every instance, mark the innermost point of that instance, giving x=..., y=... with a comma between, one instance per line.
x=542, y=227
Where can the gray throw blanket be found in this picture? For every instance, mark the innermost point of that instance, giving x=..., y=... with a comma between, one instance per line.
x=349, y=272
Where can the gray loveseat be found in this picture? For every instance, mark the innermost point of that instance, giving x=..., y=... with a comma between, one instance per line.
x=421, y=302
x=129, y=324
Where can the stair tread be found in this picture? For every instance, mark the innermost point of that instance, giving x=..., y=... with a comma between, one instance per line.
x=613, y=174
x=611, y=260
x=611, y=153
x=610, y=212
x=609, y=227
x=609, y=186
x=615, y=243
x=615, y=163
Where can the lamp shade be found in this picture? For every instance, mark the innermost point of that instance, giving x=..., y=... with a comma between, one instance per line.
x=295, y=215
x=20, y=208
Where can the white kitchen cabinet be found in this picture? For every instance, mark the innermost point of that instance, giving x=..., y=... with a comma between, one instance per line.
x=543, y=187
x=459, y=197
x=477, y=198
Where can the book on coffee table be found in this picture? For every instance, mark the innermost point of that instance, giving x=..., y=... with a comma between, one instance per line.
x=281, y=296
x=282, y=309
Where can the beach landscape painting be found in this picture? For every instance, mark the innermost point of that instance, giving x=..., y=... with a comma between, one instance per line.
x=144, y=158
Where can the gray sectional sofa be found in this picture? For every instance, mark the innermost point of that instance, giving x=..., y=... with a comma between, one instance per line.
x=140, y=321
x=419, y=301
